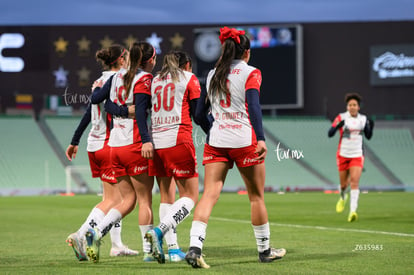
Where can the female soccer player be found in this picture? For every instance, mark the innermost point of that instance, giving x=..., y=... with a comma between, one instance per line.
x=112, y=59
x=175, y=91
x=236, y=135
x=130, y=144
x=350, y=157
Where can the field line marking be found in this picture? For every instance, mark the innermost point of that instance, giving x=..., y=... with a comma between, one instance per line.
x=321, y=227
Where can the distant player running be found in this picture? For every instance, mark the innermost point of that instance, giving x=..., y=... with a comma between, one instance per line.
x=350, y=155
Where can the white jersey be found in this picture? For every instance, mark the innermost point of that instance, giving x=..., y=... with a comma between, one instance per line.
x=125, y=130
x=170, y=113
x=99, y=132
x=231, y=127
x=351, y=139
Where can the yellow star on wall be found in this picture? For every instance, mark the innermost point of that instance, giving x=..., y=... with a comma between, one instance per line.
x=83, y=45
x=61, y=45
x=106, y=42
x=130, y=40
x=177, y=41
x=84, y=76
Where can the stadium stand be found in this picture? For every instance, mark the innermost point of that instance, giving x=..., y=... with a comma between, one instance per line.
x=310, y=136
x=62, y=129
x=28, y=165
x=395, y=147
x=32, y=157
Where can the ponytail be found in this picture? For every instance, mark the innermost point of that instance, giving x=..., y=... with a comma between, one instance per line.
x=234, y=44
x=170, y=66
x=135, y=57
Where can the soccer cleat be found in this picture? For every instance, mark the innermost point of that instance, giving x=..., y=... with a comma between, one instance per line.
x=271, y=254
x=155, y=239
x=78, y=246
x=340, y=205
x=93, y=243
x=175, y=255
x=195, y=258
x=123, y=251
x=353, y=216
x=148, y=257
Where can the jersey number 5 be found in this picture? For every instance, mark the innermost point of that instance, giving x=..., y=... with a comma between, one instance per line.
x=165, y=97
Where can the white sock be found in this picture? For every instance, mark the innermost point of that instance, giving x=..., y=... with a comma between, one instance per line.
x=108, y=221
x=262, y=234
x=198, y=234
x=94, y=218
x=354, y=199
x=146, y=246
x=176, y=214
x=171, y=235
x=116, y=235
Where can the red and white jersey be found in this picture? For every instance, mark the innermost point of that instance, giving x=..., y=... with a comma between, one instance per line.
x=170, y=113
x=100, y=121
x=350, y=140
x=231, y=127
x=125, y=130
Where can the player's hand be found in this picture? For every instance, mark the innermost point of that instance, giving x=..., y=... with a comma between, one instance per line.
x=340, y=124
x=131, y=111
x=147, y=150
x=261, y=150
x=71, y=151
x=97, y=84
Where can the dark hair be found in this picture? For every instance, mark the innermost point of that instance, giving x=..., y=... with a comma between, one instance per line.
x=109, y=56
x=230, y=51
x=135, y=59
x=183, y=59
x=174, y=62
x=350, y=96
x=147, y=50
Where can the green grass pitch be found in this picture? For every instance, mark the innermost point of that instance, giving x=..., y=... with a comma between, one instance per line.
x=318, y=240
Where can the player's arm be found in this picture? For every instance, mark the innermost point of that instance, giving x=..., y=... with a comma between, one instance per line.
x=255, y=112
x=83, y=124
x=255, y=115
x=252, y=88
x=369, y=128
x=142, y=102
x=101, y=93
x=116, y=110
x=142, y=99
x=194, y=92
x=336, y=124
x=201, y=115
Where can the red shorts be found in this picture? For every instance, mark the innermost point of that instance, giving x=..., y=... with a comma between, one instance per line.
x=100, y=163
x=127, y=160
x=179, y=162
x=344, y=163
x=243, y=157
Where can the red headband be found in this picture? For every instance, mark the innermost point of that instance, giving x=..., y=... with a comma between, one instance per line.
x=113, y=62
x=226, y=32
x=153, y=54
